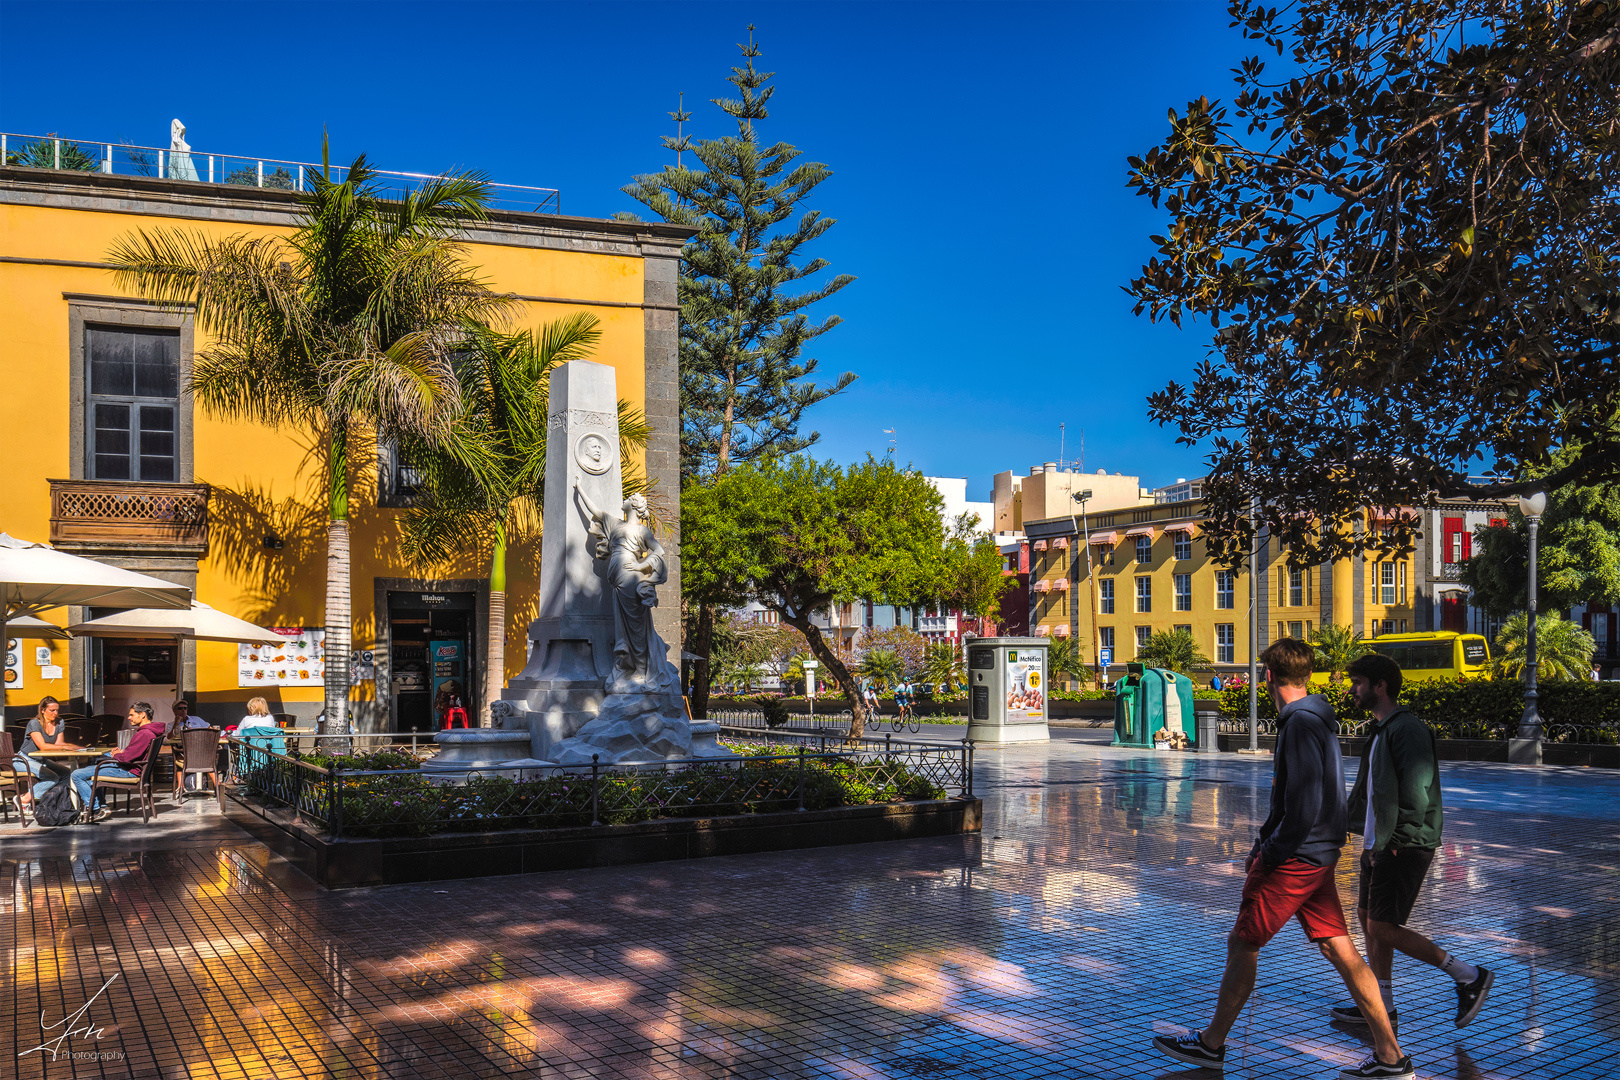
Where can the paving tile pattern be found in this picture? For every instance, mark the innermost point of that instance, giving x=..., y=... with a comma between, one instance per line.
x=1091, y=913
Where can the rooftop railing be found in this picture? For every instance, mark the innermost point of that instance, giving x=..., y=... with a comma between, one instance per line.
x=126, y=159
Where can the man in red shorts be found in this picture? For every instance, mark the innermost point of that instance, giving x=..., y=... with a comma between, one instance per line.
x=1290, y=873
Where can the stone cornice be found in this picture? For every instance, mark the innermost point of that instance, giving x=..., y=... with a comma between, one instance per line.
x=199, y=201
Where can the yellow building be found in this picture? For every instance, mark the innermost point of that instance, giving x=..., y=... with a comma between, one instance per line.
x=1149, y=571
x=233, y=510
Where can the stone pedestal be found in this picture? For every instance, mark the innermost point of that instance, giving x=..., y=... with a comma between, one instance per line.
x=461, y=749
x=561, y=688
x=1524, y=751
x=704, y=734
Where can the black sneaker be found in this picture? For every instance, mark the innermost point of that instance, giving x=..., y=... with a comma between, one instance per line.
x=1372, y=1067
x=1191, y=1049
x=1471, y=997
x=1351, y=1014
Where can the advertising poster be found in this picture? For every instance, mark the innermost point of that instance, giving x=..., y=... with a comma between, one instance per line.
x=299, y=660
x=14, y=665
x=1026, y=686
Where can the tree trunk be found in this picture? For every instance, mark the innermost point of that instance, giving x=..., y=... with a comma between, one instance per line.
x=495, y=632
x=702, y=670
x=339, y=615
x=840, y=672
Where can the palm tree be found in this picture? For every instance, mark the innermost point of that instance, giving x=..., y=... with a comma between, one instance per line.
x=1173, y=650
x=482, y=474
x=882, y=666
x=1064, y=660
x=1563, y=649
x=342, y=328
x=942, y=665
x=1336, y=647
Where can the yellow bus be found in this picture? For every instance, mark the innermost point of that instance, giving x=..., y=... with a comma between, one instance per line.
x=1436, y=655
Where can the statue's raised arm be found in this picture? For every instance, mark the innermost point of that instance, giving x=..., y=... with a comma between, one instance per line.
x=600, y=528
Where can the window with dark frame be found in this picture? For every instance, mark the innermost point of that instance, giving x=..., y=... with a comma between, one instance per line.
x=1105, y=596
x=133, y=404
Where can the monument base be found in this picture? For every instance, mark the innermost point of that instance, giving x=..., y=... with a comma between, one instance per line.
x=1524, y=751
x=478, y=748
x=705, y=742
x=633, y=728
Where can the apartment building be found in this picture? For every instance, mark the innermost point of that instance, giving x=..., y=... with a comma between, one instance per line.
x=1145, y=569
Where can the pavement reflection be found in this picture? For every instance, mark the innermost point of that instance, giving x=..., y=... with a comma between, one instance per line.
x=1090, y=913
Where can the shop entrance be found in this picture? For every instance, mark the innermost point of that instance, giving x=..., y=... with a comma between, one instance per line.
x=432, y=661
x=128, y=670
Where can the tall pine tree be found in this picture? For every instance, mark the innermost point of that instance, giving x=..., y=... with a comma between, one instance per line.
x=745, y=380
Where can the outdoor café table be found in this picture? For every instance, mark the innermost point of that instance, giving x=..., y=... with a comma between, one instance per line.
x=89, y=753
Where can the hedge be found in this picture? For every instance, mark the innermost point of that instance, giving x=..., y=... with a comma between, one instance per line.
x=1470, y=708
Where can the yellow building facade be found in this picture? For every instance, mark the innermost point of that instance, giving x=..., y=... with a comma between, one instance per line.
x=1149, y=570
x=235, y=511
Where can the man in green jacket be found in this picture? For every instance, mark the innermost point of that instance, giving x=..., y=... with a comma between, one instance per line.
x=1395, y=805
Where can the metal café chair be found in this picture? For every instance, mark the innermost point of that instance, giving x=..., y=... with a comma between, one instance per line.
x=14, y=783
x=199, y=755
x=132, y=787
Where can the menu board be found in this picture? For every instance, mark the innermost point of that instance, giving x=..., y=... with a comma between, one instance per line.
x=1026, y=688
x=299, y=660
x=14, y=665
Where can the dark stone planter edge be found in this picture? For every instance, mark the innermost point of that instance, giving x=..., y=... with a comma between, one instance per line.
x=355, y=863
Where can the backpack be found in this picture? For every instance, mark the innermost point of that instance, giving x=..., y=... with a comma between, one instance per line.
x=58, y=806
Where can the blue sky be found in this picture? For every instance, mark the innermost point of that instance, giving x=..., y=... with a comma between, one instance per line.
x=978, y=154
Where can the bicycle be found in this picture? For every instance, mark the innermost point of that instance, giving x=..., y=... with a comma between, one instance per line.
x=906, y=718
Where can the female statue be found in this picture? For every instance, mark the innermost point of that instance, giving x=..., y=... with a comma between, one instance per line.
x=635, y=568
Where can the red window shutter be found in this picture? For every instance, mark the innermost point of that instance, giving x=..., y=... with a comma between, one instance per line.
x=1467, y=546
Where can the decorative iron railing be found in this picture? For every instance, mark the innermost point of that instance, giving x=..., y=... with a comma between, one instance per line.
x=231, y=170
x=774, y=773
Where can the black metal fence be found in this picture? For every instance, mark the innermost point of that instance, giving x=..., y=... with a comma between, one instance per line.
x=774, y=772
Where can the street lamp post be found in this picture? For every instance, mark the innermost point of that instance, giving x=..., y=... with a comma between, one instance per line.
x=1526, y=749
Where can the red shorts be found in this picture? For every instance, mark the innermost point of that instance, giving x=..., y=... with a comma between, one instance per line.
x=1272, y=896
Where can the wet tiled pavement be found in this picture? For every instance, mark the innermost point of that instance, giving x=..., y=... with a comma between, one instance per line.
x=1091, y=912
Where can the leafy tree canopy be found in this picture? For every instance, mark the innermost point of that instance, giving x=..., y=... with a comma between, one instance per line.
x=1577, y=554
x=977, y=583
x=799, y=535
x=1406, y=242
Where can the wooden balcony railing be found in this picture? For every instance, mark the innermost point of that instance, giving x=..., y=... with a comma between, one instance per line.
x=172, y=518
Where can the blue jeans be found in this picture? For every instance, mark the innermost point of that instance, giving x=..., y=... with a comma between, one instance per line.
x=81, y=781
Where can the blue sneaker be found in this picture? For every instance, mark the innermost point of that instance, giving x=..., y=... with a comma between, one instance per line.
x=1190, y=1048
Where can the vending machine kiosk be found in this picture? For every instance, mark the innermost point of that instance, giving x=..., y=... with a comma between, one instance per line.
x=1007, y=688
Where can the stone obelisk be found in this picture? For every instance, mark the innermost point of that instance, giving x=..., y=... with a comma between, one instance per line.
x=571, y=650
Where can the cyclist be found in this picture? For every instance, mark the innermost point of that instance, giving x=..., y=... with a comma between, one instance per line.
x=902, y=700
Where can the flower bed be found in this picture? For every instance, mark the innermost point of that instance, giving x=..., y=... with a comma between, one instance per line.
x=386, y=795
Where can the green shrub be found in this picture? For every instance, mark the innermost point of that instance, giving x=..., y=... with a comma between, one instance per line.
x=772, y=705
x=766, y=781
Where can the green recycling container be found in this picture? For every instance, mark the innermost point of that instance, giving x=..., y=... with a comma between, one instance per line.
x=1148, y=700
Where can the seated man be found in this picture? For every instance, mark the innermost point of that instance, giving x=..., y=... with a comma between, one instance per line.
x=127, y=763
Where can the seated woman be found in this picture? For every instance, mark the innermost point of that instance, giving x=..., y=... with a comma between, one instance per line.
x=44, y=732
x=257, y=729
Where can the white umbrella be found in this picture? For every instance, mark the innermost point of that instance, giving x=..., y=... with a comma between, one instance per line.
x=199, y=623
x=27, y=626
x=34, y=577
